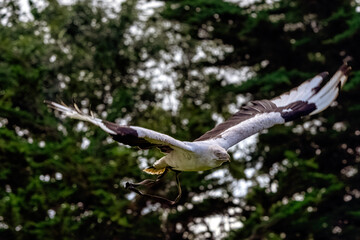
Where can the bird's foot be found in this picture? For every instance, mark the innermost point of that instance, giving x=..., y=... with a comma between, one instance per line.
x=150, y=182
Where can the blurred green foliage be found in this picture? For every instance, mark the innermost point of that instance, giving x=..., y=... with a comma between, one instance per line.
x=163, y=68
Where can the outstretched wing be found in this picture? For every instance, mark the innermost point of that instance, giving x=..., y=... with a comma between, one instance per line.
x=311, y=97
x=129, y=135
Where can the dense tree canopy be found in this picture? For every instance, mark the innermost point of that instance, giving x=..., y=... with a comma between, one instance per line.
x=178, y=67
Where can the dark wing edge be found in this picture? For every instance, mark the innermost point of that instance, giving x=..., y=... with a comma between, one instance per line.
x=245, y=113
x=311, y=97
x=128, y=135
x=315, y=91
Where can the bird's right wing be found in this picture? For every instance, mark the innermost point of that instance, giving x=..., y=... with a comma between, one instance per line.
x=129, y=135
x=311, y=97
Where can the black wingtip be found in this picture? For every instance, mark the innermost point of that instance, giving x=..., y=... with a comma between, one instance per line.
x=347, y=59
x=323, y=75
x=49, y=103
x=345, y=69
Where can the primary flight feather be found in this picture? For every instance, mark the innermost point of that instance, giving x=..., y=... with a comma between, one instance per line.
x=210, y=150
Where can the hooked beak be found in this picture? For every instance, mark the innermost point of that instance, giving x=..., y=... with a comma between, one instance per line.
x=224, y=157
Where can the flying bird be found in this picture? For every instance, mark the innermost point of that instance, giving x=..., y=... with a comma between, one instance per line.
x=210, y=150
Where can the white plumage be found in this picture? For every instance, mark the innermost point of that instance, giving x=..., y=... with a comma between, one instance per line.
x=210, y=150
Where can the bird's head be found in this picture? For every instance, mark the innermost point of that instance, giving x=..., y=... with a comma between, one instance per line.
x=220, y=154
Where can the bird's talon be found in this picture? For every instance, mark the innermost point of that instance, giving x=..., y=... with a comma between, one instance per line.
x=128, y=185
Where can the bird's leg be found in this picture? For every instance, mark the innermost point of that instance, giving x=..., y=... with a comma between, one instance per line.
x=150, y=182
x=177, y=173
x=146, y=182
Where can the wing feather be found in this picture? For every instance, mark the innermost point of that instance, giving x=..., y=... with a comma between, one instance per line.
x=311, y=97
x=129, y=135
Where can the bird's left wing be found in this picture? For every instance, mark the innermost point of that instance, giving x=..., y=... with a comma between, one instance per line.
x=129, y=135
x=309, y=98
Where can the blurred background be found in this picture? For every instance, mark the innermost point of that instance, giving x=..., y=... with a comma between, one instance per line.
x=178, y=67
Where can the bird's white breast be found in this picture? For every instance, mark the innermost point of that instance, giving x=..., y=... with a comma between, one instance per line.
x=200, y=159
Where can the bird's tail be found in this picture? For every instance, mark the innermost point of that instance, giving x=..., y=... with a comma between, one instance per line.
x=75, y=113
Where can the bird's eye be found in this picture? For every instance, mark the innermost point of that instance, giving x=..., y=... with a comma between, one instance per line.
x=217, y=153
